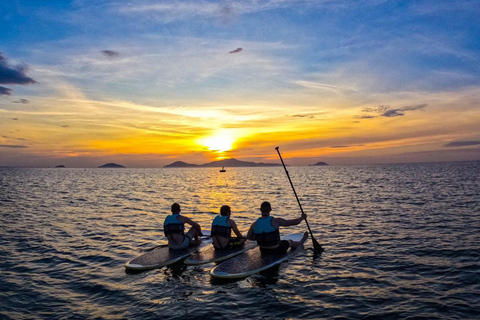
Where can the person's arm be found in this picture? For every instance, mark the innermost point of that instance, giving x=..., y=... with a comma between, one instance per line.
x=190, y=222
x=235, y=229
x=250, y=234
x=291, y=222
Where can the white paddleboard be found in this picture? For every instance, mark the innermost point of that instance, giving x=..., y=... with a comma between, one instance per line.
x=210, y=254
x=162, y=256
x=253, y=261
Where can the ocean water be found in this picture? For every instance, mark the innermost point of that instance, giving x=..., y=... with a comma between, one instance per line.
x=401, y=242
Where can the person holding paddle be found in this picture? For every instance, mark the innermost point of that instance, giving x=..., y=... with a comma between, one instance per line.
x=266, y=231
x=221, y=232
x=174, y=228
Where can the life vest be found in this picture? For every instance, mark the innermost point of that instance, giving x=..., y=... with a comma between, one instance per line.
x=265, y=234
x=172, y=225
x=220, y=227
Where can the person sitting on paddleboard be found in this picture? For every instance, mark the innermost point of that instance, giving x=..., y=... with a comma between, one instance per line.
x=221, y=231
x=266, y=231
x=174, y=228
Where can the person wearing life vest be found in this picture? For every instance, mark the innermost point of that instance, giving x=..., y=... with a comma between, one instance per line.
x=221, y=231
x=266, y=231
x=174, y=229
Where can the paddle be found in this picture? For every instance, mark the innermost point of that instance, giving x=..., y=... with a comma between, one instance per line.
x=317, y=248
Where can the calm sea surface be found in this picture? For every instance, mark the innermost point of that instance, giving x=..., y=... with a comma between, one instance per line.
x=401, y=241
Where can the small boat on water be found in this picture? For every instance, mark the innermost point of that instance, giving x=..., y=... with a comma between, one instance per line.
x=223, y=169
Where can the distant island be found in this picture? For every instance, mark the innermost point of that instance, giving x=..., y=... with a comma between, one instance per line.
x=111, y=165
x=60, y=166
x=221, y=163
x=320, y=164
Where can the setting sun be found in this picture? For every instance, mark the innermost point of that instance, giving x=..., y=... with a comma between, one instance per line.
x=221, y=141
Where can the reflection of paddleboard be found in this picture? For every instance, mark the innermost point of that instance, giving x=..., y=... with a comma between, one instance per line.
x=162, y=256
x=209, y=254
x=252, y=261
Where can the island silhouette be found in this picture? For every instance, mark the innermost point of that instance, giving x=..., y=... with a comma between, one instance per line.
x=221, y=163
x=111, y=165
x=320, y=163
x=232, y=162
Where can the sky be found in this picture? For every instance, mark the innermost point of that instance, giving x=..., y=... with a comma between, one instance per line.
x=146, y=83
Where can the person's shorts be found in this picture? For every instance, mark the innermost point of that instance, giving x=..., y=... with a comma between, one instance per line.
x=234, y=243
x=184, y=244
x=282, y=248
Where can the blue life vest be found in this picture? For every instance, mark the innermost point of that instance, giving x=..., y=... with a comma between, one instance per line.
x=172, y=225
x=265, y=234
x=220, y=227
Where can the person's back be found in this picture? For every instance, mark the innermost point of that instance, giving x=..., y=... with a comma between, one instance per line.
x=265, y=233
x=265, y=230
x=174, y=229
x=221, y=231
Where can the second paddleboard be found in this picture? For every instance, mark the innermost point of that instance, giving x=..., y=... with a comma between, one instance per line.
x=253, y=261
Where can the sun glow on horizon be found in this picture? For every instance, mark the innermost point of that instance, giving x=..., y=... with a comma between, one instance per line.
x=220, y=142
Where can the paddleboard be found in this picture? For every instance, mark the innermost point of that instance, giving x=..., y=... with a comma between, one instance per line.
x=253, y=261
x=163, y=256
x=210, y=254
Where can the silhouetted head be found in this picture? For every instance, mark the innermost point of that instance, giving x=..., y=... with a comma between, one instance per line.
x=265, y=208
x=175, y=208
x=225, y=211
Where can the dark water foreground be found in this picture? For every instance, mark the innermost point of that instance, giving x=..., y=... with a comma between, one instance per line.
x=402, y=242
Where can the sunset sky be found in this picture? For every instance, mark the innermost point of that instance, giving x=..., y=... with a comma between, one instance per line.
x=147, y=83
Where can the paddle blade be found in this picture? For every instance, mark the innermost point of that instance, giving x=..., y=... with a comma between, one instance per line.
x=317, y=248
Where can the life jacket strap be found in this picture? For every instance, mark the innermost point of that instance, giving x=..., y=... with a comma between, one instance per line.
x=268, y=238
x=174, y=228
x=221, y=231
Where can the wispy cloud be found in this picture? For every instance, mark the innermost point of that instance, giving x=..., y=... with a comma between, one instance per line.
x=401, y=111
x=465, y=143
x=23, y=101
x=387, y=111
x=12, y=146
x=167, y=11
x=323, y=86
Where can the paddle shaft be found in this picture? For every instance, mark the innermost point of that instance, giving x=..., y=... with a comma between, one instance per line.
x=316, y=246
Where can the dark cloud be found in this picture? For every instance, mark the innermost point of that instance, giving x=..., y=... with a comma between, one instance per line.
x=302, y=116
x=5, y=91
x=387, y=111
x=401, y=111
x=24, y=101
x=11, y=146
x=355, y=145
x=236, y=50
x=13, y=74
x=110, y=53
x=65, y=126
x=463, y=143
x=377, y=109
x=364, y=117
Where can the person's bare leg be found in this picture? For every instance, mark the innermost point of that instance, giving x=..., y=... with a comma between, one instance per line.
x=295, y=244
x=193, y=232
